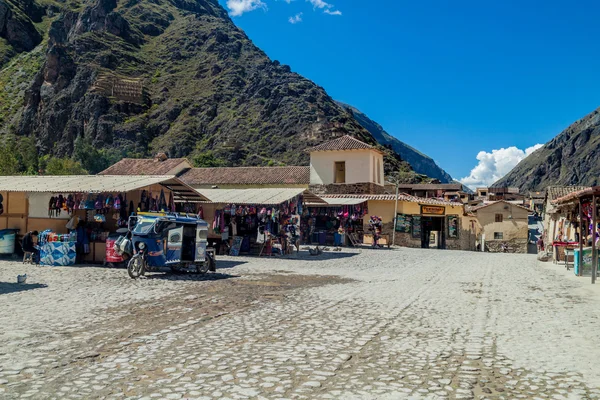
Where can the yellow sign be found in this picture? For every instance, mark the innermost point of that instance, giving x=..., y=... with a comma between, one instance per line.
x=433, y=210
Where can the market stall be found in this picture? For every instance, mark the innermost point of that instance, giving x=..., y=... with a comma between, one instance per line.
x=336, y=223
x=581, y=210
x=89, y=208
x=254, y=221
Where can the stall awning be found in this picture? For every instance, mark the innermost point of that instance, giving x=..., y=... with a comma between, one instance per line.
x=266, y=196
x=343, y=202
x=98, y=184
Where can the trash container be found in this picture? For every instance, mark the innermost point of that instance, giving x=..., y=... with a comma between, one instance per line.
x=7, y=241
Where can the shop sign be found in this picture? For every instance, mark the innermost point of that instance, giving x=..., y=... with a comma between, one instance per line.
x=433, y=210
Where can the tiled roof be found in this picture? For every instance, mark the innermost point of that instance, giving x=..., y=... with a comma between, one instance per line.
x=346, y=142
x=477, y=208
x=432, y=186
x=537, y=195
x=144, y=166
x=247, y=176
x=556, y=192
x=391, y=197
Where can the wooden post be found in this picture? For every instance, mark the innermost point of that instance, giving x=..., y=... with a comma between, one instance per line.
x=594, y=255
x=581, y=225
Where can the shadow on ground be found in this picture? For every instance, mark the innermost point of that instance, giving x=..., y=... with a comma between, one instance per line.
x=305, y=256
x=225, y=264
x=170, y=276
x=7, y=287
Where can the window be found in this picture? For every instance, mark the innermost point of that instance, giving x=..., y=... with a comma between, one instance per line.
x=499, y=218
x=378, y=171
x=498, y=235
x=483, y=194
x=340, y=172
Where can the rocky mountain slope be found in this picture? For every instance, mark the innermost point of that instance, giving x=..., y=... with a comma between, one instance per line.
x=133, y=77
x=571, y=158
x=420, y=162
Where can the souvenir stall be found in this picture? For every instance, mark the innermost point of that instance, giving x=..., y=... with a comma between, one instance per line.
x=84, y=211
x=254, y=221
x=581, y=210
x=334, y=224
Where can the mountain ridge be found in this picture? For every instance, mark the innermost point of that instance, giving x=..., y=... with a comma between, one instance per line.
x=570, y=158
x=121, y=78
x=420, y=162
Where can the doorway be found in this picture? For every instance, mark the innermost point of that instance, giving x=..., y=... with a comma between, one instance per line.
x=433, y=232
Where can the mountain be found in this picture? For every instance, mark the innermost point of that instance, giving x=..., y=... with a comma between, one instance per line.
x=98, y=80
x=571, y=158
x=421, y=163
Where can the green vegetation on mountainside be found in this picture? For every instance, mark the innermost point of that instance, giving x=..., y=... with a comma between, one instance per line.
x=133, y=77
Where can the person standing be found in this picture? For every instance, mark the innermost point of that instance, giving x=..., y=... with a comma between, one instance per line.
x=82, y=245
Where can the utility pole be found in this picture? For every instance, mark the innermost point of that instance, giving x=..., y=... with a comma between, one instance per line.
x=395, y=215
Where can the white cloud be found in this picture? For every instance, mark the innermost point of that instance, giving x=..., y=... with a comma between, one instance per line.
x=296, y=18
x=493, y=166
x=319, y=4
x=238, y=7
x=326, y=7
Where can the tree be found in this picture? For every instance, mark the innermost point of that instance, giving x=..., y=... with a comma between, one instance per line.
x=61, y=166
x=9, y=165
x=27, y=155
x=207, y=160
x=91, y=158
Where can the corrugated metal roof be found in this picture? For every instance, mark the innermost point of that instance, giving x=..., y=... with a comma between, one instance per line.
x=266, y=196
x=96, y=184
x=345, y=202
x=248, y=176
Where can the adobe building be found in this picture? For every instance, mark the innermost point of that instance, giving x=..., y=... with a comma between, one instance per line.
x=346, y=166
x=503, y=223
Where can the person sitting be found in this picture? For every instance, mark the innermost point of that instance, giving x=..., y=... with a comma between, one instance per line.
x=29, y=245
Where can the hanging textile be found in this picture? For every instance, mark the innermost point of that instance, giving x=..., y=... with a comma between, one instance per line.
x=171, y=202
x=162, y=201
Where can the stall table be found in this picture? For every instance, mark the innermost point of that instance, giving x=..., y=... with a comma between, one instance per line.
x=58, y=254
x=562, y=249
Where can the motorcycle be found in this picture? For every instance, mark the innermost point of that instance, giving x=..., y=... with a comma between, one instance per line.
x=169, y=240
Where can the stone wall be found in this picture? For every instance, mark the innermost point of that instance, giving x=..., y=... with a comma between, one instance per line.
x=350, y=188
x=514, y=245
x=406, y=240
x=465, y=241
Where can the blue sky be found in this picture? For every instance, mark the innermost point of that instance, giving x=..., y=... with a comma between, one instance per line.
x=452, y=79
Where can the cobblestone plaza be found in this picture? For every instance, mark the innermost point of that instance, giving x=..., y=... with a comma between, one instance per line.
x=375, y=324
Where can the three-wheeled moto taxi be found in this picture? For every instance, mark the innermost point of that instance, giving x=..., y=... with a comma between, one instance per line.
x=169, y=240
